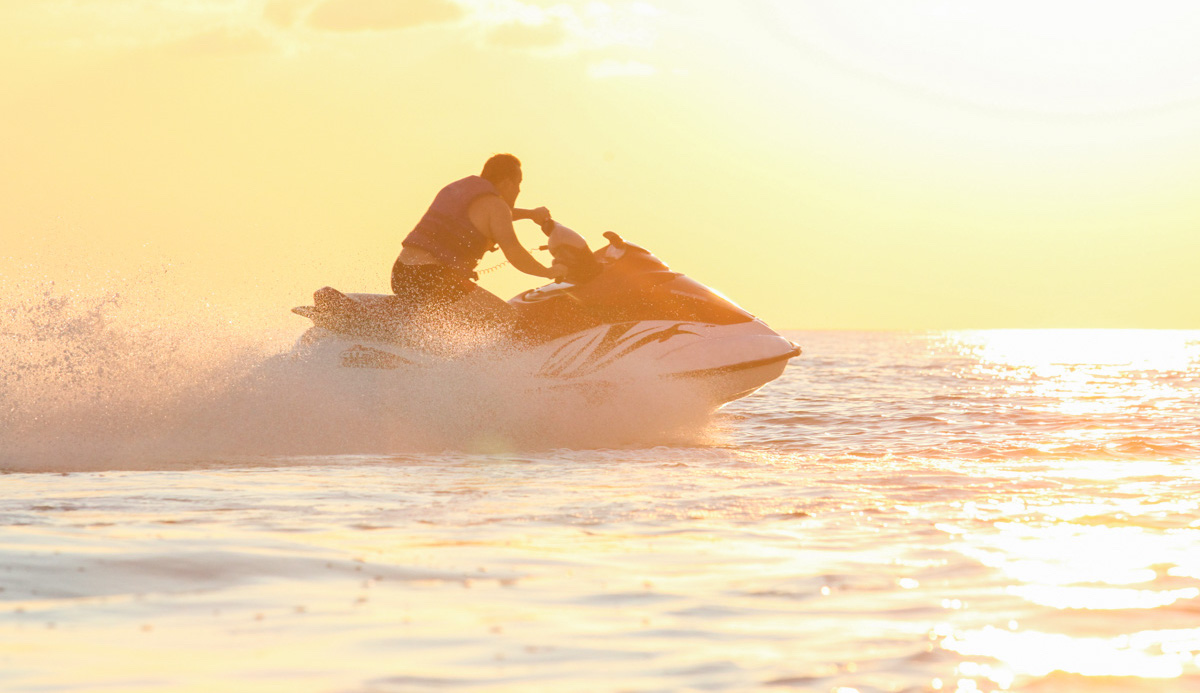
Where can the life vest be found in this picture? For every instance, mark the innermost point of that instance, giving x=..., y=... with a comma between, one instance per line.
x=446, y=231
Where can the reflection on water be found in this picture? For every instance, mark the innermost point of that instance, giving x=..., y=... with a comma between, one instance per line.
x=1105, y=543
x=1049, y=353
x=1031, y=653
x=977, y=511
x=1101, y=568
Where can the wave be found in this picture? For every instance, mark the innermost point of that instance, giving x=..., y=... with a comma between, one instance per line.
x=861, y=445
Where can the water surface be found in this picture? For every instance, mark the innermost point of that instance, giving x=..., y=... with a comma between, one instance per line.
x=999, y=510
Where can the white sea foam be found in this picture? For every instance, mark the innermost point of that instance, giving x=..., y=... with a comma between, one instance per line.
x=96, y=381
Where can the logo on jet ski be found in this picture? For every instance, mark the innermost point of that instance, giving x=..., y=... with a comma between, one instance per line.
x=589, y=352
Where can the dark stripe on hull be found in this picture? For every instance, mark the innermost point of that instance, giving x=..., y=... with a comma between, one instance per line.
x=722, y=370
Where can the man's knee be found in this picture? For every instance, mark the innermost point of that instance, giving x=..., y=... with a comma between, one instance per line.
x=480, y=304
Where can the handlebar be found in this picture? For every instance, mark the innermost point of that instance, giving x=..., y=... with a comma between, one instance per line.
x=571, y=250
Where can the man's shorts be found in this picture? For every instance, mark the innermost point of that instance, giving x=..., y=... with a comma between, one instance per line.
x=429, y=285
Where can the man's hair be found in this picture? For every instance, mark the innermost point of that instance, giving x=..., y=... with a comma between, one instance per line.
x=501, y=167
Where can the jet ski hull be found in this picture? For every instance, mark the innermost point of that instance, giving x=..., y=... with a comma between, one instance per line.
x=721, y=363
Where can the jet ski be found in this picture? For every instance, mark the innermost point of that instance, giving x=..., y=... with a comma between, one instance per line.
x=619, y=313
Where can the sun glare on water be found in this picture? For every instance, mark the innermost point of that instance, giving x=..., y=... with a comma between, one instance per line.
x=1050, y=351
x=1080, y=588
x=1087, y=557
x=1087, y=372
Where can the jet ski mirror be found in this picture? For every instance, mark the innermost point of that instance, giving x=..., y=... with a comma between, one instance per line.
x=616, y=241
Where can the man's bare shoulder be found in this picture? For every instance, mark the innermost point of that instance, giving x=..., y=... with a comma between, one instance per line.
x=488, y=211
x=489, y=202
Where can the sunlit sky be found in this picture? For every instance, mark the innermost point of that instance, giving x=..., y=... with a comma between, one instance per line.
x=826, y=163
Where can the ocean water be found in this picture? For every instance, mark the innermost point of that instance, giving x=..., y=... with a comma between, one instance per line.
x=944, y=511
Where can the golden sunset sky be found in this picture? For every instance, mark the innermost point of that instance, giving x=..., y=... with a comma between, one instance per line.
x=826, y=163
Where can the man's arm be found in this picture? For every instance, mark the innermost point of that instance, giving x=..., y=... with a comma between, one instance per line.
x=540, y=215
x=499, y=220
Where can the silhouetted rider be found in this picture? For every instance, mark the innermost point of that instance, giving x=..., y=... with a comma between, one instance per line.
x=468, y=218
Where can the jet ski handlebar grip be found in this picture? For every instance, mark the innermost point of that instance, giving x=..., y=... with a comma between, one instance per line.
x=616, y=240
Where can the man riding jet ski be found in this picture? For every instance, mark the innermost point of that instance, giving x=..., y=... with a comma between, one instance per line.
x=616, y=314
x=468, y=218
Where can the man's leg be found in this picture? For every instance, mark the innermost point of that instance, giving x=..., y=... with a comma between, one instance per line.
x=476, y=318
x=482, y=305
